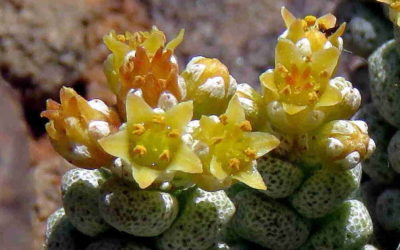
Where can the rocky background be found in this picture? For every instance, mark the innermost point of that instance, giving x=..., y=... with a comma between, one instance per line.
x=45, y=44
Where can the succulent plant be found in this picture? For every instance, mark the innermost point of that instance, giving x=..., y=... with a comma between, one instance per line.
x=193, y=160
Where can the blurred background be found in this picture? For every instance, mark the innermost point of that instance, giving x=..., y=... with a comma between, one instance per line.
x=45, y=44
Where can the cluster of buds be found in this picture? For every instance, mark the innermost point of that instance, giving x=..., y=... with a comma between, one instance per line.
x=152, y=139
x=199, y=125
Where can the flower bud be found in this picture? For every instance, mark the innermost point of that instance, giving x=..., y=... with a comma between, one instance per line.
x=209, y=85
x=75, y=126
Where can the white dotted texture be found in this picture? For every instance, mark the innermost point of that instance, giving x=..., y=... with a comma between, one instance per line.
x=80, y=190
x=325, y=191
x=200, y=221
x=137, y=212
x=268, y=223
x=349, y=227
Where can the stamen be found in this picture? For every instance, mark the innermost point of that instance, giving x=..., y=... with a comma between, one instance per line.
x=310, y=20
x=140, y=150
x=138, y=129
x=165, y=155
x=159, y=119
x=234, y=163
x=121, y=38
x=216, y=140
x=223, y=119
x=246, y=126
x=251, y=153
x=174, y=133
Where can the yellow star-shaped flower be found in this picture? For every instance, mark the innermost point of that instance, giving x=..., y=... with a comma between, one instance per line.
x=232, y=149
x=151, y=141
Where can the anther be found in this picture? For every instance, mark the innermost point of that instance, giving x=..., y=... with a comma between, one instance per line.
x=158, y=119
x=140, y=150
x=245, y=126
x=121, y=38
x=165, y=155
x=223, y=119
x=310, y=20
x=234, y=163
x=174, y=133
x=251, y=153
x=216, y=140
x=138, y=129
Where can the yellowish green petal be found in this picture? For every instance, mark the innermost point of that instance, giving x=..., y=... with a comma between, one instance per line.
x=217, y=170
x=325, y=60
x=186, y=161
x=179, y=115
x=292, y=109
x=154, y=41
x=262, y=143
x=287, y=54
x=327, y=21
x=144, y=176
x=176, y=41
x=252, y=178
x=334, y=37
x=296, y=31
x=287, y=16
x=331, y=96
x=137, y=110
x=267, y=80
x=235, y=112
x=117, y=145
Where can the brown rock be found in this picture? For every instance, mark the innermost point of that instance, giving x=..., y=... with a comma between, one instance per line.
x=241, y=33
x=15, y=179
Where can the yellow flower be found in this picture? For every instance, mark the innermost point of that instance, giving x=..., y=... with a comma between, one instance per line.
x=299, y=87
x=311, y=34
x=143, y=62
x=151, y=142
x=209, y=85
x=228, y=149
x=394, y=10
x=75, y=126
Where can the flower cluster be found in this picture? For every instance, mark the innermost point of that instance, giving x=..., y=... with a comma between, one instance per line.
x=149, y=135
x=201, y=127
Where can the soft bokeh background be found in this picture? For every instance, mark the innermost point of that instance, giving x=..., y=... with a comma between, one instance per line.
x=45, y=44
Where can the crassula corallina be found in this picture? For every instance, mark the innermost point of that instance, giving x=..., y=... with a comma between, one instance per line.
x=195, y=160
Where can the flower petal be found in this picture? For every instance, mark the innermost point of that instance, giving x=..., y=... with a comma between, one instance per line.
x=117, y=145
x=330, y=97
x=287, y=54
x=144, y=176
x=235, y=112
x=251, y=178
x=186, y=160
x=154, y=41
x=137, y=110
x=262, y=142
x=328, y=21
x=180, y=115
x=333, y=38
x=292, y=109
x=287, y=17
x=217, y=170
x=270, y=90
x=176, y=41
x=325, y=60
